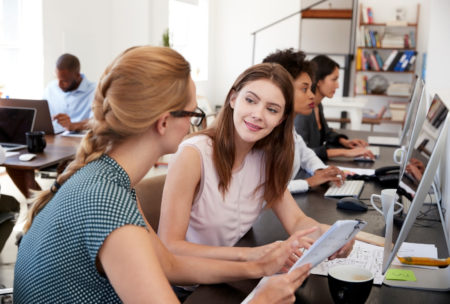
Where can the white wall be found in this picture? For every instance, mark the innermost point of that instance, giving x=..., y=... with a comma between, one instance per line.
x=97, y=31
x=233, y=21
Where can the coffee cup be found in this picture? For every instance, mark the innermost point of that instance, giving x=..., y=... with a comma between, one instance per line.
x=399, y=155
x=349, y=284
x=35, y=141
x=387, y=198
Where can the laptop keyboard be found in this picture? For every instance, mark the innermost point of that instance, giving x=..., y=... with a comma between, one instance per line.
x=349, y=188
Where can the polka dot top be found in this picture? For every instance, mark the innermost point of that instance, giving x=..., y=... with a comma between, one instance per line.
x=56, y=259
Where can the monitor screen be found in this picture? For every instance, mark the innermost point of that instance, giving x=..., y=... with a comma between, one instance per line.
x=422, y=148
x=14, y=122
x=416, y=114
x=416, y=98
x=416, y=180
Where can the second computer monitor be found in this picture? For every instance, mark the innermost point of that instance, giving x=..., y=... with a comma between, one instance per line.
x=416, y=180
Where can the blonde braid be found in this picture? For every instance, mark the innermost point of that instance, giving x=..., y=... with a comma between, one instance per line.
x=91, y=148
x=133, y=92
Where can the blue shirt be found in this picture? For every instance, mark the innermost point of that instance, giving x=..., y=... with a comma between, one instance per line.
x=56, y=258
x=76, y=103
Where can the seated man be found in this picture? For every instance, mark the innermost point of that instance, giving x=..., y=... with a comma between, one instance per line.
x=70, y=96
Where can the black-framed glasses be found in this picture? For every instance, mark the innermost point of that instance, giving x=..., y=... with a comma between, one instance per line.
x=196, y=116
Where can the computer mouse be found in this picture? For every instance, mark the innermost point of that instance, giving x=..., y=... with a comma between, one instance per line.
x=351, y=203
x=26, y=156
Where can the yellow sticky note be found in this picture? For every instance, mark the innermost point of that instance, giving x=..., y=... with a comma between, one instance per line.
x=400, y=275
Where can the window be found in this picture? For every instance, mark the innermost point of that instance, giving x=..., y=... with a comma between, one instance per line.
x=188, y=31
x=21, y=51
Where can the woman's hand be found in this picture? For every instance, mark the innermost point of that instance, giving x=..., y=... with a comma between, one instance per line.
x=344, y=251
x=281, y=288
x=330, y=174
x=353, y=143
x=359, y=152
x=284, y=253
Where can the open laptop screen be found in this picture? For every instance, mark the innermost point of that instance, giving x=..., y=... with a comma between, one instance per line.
x=14, y=122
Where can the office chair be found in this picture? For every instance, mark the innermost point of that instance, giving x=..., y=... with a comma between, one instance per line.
x=149, y=192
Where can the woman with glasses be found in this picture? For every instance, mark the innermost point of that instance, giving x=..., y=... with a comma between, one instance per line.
x=86, y=239
x=222, y=178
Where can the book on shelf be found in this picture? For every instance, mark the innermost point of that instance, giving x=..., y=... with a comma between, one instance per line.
x=373, y=62
x=361, y=84
x=389, y=60
x=379, y=59
x=395, y=61
x=359, y=59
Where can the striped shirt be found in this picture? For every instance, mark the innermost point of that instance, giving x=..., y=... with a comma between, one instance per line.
x=56, y=259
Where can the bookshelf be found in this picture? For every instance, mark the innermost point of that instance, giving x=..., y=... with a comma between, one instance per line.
x=385, y=56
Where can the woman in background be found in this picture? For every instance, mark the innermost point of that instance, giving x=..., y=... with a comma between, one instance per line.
x=314, y=128
x=305, y=160
x=86, y=239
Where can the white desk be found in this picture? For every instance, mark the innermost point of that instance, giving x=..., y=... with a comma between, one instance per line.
x=353, y=105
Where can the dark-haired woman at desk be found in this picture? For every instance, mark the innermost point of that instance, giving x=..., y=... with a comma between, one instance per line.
x=314, y=128
x=306, y=162
x=86, y=239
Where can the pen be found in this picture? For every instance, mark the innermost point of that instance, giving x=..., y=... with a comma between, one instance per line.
x=424, y=261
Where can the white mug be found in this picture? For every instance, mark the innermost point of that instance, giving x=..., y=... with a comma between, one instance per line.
x=387, y=197
x=399, y=154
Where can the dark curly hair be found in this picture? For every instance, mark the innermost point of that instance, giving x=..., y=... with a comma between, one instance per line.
x=293, y=61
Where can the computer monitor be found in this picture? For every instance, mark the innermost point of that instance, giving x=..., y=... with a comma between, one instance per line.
x=415, y=116
x=414, y=185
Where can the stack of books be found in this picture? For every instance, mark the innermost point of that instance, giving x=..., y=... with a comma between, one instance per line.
x=399, y=89
x=398, y=111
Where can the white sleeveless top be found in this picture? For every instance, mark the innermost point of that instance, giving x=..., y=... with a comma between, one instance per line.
x=218, y=220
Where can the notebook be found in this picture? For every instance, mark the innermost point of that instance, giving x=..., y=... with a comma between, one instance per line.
x=43, y=121
x=14, y=123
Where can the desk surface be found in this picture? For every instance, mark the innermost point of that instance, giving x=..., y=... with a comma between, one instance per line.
x=315, y=289
x=59, y=148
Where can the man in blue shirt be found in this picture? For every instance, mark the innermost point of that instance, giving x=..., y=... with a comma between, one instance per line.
x=70, y=96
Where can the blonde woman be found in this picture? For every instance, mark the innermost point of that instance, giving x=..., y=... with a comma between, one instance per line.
x=86, y=240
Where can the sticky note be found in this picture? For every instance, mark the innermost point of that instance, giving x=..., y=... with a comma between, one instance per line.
x=400, y=275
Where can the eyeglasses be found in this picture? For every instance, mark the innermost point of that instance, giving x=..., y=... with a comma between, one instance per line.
x=196, y=117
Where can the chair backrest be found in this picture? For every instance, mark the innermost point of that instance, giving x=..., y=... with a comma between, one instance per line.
x=149, y=192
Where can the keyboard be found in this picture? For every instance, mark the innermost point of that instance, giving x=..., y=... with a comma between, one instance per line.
x=349, y=188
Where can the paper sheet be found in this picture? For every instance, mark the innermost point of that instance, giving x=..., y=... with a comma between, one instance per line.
x=363, y=255
x=416, y=250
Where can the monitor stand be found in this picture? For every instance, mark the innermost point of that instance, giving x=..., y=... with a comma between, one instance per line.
x=426, y=279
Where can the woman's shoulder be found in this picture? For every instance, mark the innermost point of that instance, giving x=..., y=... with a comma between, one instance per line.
x=201, y=142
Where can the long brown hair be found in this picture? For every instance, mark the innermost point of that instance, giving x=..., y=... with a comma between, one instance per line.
x=278, y=146
x=136, y=88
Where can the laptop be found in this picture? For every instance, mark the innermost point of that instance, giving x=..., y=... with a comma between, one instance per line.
x=43, y=121
x=14, y=123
